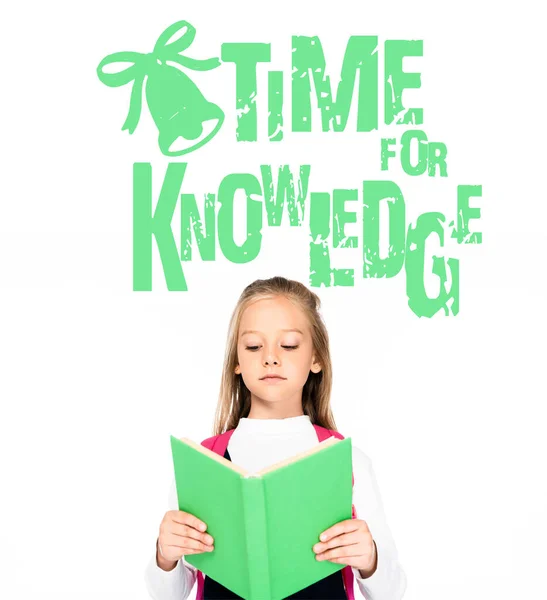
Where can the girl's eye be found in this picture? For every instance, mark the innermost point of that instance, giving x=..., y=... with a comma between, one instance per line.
x=254, y=348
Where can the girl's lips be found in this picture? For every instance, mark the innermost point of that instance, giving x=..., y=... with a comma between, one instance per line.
x=272, y=379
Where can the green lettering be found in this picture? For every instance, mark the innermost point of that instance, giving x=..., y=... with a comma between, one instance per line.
x=250, y=249
x=205, y=237
x=396, y=80
x=360, y=56
x=246, y=57
x=373, y=193
x=146, y=226
x=275, y=199
x=418, y=300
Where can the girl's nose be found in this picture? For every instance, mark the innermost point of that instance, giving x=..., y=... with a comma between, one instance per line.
x=270, y=360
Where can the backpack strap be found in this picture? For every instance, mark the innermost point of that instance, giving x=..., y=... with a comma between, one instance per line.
x=201, y=586
x=218, y=443
x=347, y=573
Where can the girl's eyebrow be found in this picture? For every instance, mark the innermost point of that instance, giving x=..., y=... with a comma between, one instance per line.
x=254, y=331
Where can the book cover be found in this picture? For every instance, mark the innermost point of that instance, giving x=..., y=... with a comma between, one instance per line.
x=265, y=524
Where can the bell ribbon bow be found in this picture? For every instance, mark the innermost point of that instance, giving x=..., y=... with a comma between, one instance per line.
x=163, y=51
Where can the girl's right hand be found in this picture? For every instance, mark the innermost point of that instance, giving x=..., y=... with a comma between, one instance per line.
x=181, y=533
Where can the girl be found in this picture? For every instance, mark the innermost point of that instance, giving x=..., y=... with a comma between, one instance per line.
x=276, y=386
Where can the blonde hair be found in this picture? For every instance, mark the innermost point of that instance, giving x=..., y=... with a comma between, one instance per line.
x=234, y=400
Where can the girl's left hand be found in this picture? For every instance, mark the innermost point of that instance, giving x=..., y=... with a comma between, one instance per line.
x=350, y=543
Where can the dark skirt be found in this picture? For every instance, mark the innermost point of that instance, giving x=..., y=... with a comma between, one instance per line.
x=329, y=588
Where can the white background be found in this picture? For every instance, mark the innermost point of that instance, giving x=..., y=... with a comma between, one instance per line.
x=94, y=376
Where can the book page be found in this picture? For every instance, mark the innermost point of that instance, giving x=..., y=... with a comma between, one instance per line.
x=214, y=456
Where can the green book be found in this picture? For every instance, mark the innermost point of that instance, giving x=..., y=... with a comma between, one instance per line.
x=265, y=524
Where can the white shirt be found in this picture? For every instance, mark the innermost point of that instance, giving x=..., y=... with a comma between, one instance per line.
x=258, y=443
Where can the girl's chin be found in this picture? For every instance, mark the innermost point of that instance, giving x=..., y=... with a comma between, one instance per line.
x=273, y=394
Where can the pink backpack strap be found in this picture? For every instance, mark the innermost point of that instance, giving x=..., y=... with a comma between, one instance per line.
x=201, y=586
x=217, y=444
x=347, y=573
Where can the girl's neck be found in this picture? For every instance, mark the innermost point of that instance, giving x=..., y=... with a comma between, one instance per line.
x=274, y=426
x=284, y=409
x=273, y=412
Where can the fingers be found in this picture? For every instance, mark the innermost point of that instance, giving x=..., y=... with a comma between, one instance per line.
x=354, y=550
x=345, y=539
x=351, y=544
x=179, y=535
x=343, y=527
x=186, y=525
x=189, y=532
x=179, y=516
x=185, y=545
x=365, y=560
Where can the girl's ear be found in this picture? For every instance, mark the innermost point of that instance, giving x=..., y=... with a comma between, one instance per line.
x=237, y=370
x=316, y=366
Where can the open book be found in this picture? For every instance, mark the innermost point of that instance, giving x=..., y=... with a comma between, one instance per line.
x=265, y=524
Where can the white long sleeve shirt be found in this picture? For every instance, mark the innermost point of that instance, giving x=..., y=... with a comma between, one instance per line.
x=258, y=443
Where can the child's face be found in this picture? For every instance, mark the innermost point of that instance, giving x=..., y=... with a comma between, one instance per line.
x=267, y=344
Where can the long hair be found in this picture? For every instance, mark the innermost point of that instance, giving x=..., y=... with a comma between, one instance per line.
x=234, y=400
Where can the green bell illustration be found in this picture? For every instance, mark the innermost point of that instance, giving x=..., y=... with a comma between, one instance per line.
x=184, y=118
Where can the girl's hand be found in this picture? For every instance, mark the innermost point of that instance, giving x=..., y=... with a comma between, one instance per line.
x=350, y=543
x=181, y=533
